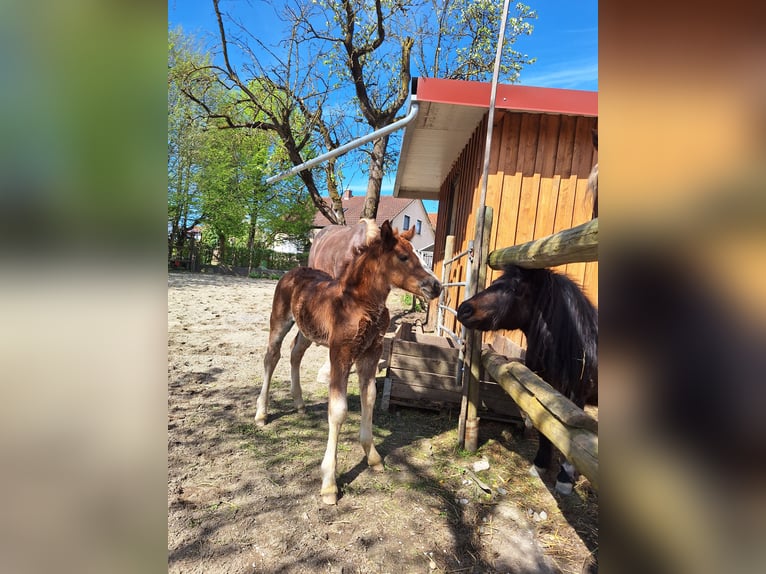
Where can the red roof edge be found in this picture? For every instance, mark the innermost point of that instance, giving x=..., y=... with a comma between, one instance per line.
x=509, y=97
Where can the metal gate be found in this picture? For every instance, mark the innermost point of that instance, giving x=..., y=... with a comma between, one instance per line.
x=449, y=259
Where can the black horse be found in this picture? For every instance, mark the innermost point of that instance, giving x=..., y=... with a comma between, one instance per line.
x=561, y=326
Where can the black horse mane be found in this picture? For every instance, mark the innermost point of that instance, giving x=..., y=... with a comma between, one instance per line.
x=562, y=335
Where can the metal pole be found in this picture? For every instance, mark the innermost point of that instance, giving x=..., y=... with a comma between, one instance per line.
x=491, y=113
x=349, y=146
x=473, y=347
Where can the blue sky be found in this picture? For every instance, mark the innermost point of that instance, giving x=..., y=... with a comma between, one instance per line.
x=564, y=41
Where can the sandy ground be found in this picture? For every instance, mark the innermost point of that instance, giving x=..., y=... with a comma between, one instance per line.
x=246, y=499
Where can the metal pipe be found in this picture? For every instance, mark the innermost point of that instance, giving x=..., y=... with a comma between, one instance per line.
x=468, y=431
x=450, y=309
x=458, y=256
x=350, y=145
x=491, y=113
x=455, y=336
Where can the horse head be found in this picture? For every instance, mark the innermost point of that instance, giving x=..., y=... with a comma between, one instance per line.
x=505, y=304
x=404, y=266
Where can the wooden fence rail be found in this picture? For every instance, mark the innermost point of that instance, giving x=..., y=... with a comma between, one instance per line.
x=574, y=245
x=570, y=429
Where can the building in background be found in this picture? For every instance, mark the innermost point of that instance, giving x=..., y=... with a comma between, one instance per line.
x=402, y=213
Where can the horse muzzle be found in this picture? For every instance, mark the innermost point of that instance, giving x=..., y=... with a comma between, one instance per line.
x=471, y=316
x=430, y=288
x=464, y=313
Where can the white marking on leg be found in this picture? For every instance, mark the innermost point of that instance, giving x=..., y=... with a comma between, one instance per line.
x=323, y=376
x=565, y=488
x=336, y=413
x=566, y=478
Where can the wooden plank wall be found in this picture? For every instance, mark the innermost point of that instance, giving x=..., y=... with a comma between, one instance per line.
x=539, y=167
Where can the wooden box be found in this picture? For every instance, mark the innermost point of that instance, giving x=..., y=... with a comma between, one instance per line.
x=422, y=372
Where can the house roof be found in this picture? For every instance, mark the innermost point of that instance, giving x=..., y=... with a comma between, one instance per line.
x=388, y=208
x=450, y=111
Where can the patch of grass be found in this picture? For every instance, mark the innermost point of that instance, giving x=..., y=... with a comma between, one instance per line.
x=407, y=302
x=245, y=429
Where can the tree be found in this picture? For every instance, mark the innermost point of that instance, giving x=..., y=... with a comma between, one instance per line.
x=185, y=133
x=361, y=52
x=277, y=101
x=216, y=176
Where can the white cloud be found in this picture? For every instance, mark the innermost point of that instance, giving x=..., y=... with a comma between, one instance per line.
x=579, y=76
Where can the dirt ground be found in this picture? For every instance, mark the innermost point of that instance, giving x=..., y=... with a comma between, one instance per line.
x=246, y=499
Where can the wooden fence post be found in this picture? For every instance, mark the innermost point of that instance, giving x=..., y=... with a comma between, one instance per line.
x=472, y=367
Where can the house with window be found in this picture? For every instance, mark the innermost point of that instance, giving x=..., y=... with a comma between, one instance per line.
x=402, y=213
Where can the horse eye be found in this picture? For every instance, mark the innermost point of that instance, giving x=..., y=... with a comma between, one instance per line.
x=403, y=257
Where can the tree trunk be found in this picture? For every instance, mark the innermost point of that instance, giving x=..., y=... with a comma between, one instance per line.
x=221, y=249
x=375, y=180
x=308, y=178
x=332, y=187
x=174, y=232
x=250, y=243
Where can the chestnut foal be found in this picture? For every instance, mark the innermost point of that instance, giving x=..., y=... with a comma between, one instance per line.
x=348, y=315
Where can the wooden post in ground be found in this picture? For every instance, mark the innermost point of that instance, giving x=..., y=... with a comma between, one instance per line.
x=472, y=368
x=449, y=249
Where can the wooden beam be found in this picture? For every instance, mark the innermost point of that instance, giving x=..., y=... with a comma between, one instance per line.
x=556, y=417
x=567, y=246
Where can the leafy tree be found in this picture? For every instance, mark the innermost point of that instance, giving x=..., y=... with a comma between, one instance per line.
x=357, y=51
x=185, y=135
x=216, y=176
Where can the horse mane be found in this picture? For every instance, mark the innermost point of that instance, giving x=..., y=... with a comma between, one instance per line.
x=593, y=189
x=373, y=231
x=593, y=178
x=360, y=244
x=562, y=337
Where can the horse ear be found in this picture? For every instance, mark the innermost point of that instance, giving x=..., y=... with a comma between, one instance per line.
x=387, y=234
x=409, y=234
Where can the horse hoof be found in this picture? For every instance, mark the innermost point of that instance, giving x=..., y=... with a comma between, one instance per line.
x=260, y=421
x=302, y=410
x=378, y=467
x=564, y=488
x=330, y=498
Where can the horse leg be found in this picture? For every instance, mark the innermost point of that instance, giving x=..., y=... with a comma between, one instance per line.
x=566, y=478
x=298, y=349
x=366, y=367
x=337, y=409
x=323, y=376
x=277, y=333
x=567, y=474
x=544, y=453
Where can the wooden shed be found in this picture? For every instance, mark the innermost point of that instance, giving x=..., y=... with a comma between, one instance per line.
x=541, y=155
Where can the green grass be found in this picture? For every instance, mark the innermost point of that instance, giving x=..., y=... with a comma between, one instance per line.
x=407, y=301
